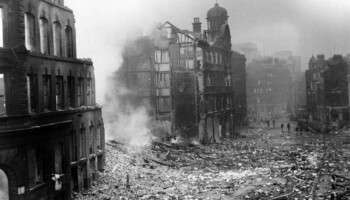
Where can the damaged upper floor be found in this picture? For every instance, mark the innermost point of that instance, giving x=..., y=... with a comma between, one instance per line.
x=42, y=26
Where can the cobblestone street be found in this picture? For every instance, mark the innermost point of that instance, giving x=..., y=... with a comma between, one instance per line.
x=262, y=164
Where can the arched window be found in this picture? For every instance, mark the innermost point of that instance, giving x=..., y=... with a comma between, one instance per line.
x=44, y=36
x=29, y=23
x=4, y=186
x=57, y=38
x=69, y=42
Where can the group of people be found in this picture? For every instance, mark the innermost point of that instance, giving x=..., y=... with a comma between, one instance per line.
x=288, y=127
x=272, y=124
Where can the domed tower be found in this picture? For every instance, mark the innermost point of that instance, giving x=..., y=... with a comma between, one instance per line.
x=216, y=17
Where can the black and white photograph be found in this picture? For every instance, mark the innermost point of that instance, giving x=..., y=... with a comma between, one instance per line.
x=175, y=100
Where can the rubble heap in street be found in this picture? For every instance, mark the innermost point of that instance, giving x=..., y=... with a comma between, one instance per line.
x=263, y=164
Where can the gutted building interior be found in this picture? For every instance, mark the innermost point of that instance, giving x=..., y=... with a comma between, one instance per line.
x=191, y=79
x=51, y=129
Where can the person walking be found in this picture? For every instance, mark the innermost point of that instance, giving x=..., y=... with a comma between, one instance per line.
x=273, y=124
x=282, y=126
x=288, y=127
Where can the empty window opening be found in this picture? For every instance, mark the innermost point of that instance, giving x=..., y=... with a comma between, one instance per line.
x=57, y=39
x=44, y=36
x=2, y=95
x=69, y=42
x=91, y=140
x=74, y=145
x=4, y=186
x=59, y=93
x=35, y=167
x=75, y=182
x=29, y=23
x=81, y=91
x=89, y=91
x=98, y=138
x=82, y=145
x=47, y=91
x=71, y=91
x=59, y=158
x=31, y=88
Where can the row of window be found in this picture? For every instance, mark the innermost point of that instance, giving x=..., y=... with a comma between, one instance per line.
x=163, y=80
x=87, y=142
x=218, y=79
x=161, y=56
x=217, y=103
x=214, y=58
x=44, y=32
x=74, y=98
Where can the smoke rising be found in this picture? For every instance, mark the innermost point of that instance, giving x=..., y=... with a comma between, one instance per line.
x=306, y=27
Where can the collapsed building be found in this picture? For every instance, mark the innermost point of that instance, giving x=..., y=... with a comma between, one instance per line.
x=51, y=129
x=191, y=79
x=327, y=92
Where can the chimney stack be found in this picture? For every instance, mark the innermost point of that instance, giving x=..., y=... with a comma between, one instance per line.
x=197, y=25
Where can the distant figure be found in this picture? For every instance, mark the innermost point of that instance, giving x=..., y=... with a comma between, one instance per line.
x=273, y=124
x=282, y=126
x=268, y=123
x=288, y=127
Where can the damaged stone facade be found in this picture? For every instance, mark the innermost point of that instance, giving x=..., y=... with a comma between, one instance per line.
x=51, y=129
x=327, y=92
x=187, y=78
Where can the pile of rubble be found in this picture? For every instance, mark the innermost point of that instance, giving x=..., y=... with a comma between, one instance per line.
x=262, y=165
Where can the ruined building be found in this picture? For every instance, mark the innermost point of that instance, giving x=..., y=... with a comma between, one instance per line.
x=327, y=91
x=51, y=130
x=268, y=89
x=191, y=79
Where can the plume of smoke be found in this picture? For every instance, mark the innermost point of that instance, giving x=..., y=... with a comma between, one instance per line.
x=124, y=122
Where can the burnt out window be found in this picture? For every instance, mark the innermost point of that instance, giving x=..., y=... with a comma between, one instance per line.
x=98, y=142
x=162, y=56
x=82, y=142
x=163, y=80
x=164, y=104
x=32, y=84
x=2, y=95
x=89, y=91
x=44, y=36
x=59, y=158
x=35, y=167
x=1, y=27
x=69, y=42
x=71, y=91
x=57, y=38
x=74, y=145
x=81, y=91
x=92, y=139
x=29, y=23
x=47, y=92
x=59, y=93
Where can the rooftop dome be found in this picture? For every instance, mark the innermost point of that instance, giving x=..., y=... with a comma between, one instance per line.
x=217, y=11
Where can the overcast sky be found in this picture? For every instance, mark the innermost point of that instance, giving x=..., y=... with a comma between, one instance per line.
x=304, y=26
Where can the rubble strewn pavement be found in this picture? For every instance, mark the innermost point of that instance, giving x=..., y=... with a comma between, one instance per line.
x=264, y=164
